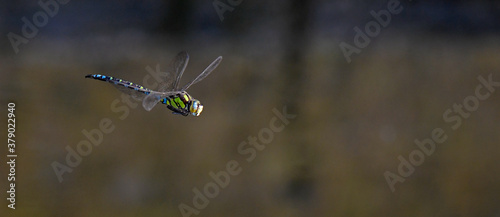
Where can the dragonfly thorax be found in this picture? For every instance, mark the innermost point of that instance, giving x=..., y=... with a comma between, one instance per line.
x=182, y=103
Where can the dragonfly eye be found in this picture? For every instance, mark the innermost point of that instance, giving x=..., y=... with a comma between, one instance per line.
x=196, y=108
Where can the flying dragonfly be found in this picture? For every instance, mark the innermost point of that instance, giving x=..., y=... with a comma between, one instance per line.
x=168, y=93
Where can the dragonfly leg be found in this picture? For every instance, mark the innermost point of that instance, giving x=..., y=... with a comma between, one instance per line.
x=177, y=111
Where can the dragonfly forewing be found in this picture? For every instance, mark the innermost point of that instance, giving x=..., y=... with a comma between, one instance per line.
x=203, y=74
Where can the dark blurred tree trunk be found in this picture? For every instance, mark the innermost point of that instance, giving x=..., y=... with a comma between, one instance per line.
x=176, y=20
x=300, y=185
x=295, y=49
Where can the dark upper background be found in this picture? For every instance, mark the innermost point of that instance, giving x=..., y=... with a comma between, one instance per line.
x=353, y=119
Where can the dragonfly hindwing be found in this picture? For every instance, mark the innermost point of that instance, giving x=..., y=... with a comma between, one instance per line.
x=150, y=101
x=154, y=98
x=172, y=75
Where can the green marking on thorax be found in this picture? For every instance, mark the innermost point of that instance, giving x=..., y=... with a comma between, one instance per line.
x=179, y=101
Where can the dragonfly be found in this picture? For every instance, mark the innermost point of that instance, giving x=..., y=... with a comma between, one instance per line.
x=169, y=92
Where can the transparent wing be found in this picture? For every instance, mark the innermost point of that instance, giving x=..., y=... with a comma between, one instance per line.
x=136, y=94
x=204, y=74
x=180, y=66
x=170, y=78
x=154, y=97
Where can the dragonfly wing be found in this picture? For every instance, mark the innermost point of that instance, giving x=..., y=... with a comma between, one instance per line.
x=154, y=97
x=175, y=68
x=150, y=101
x=204, y=74
x=180, y=64
x=136, y=94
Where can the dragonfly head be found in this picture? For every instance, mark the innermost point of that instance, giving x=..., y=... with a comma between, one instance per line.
x=196, y=107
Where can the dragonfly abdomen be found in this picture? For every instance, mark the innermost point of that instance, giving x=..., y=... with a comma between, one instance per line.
x=120, y=82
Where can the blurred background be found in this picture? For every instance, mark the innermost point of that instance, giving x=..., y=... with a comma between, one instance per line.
x=352, y=121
